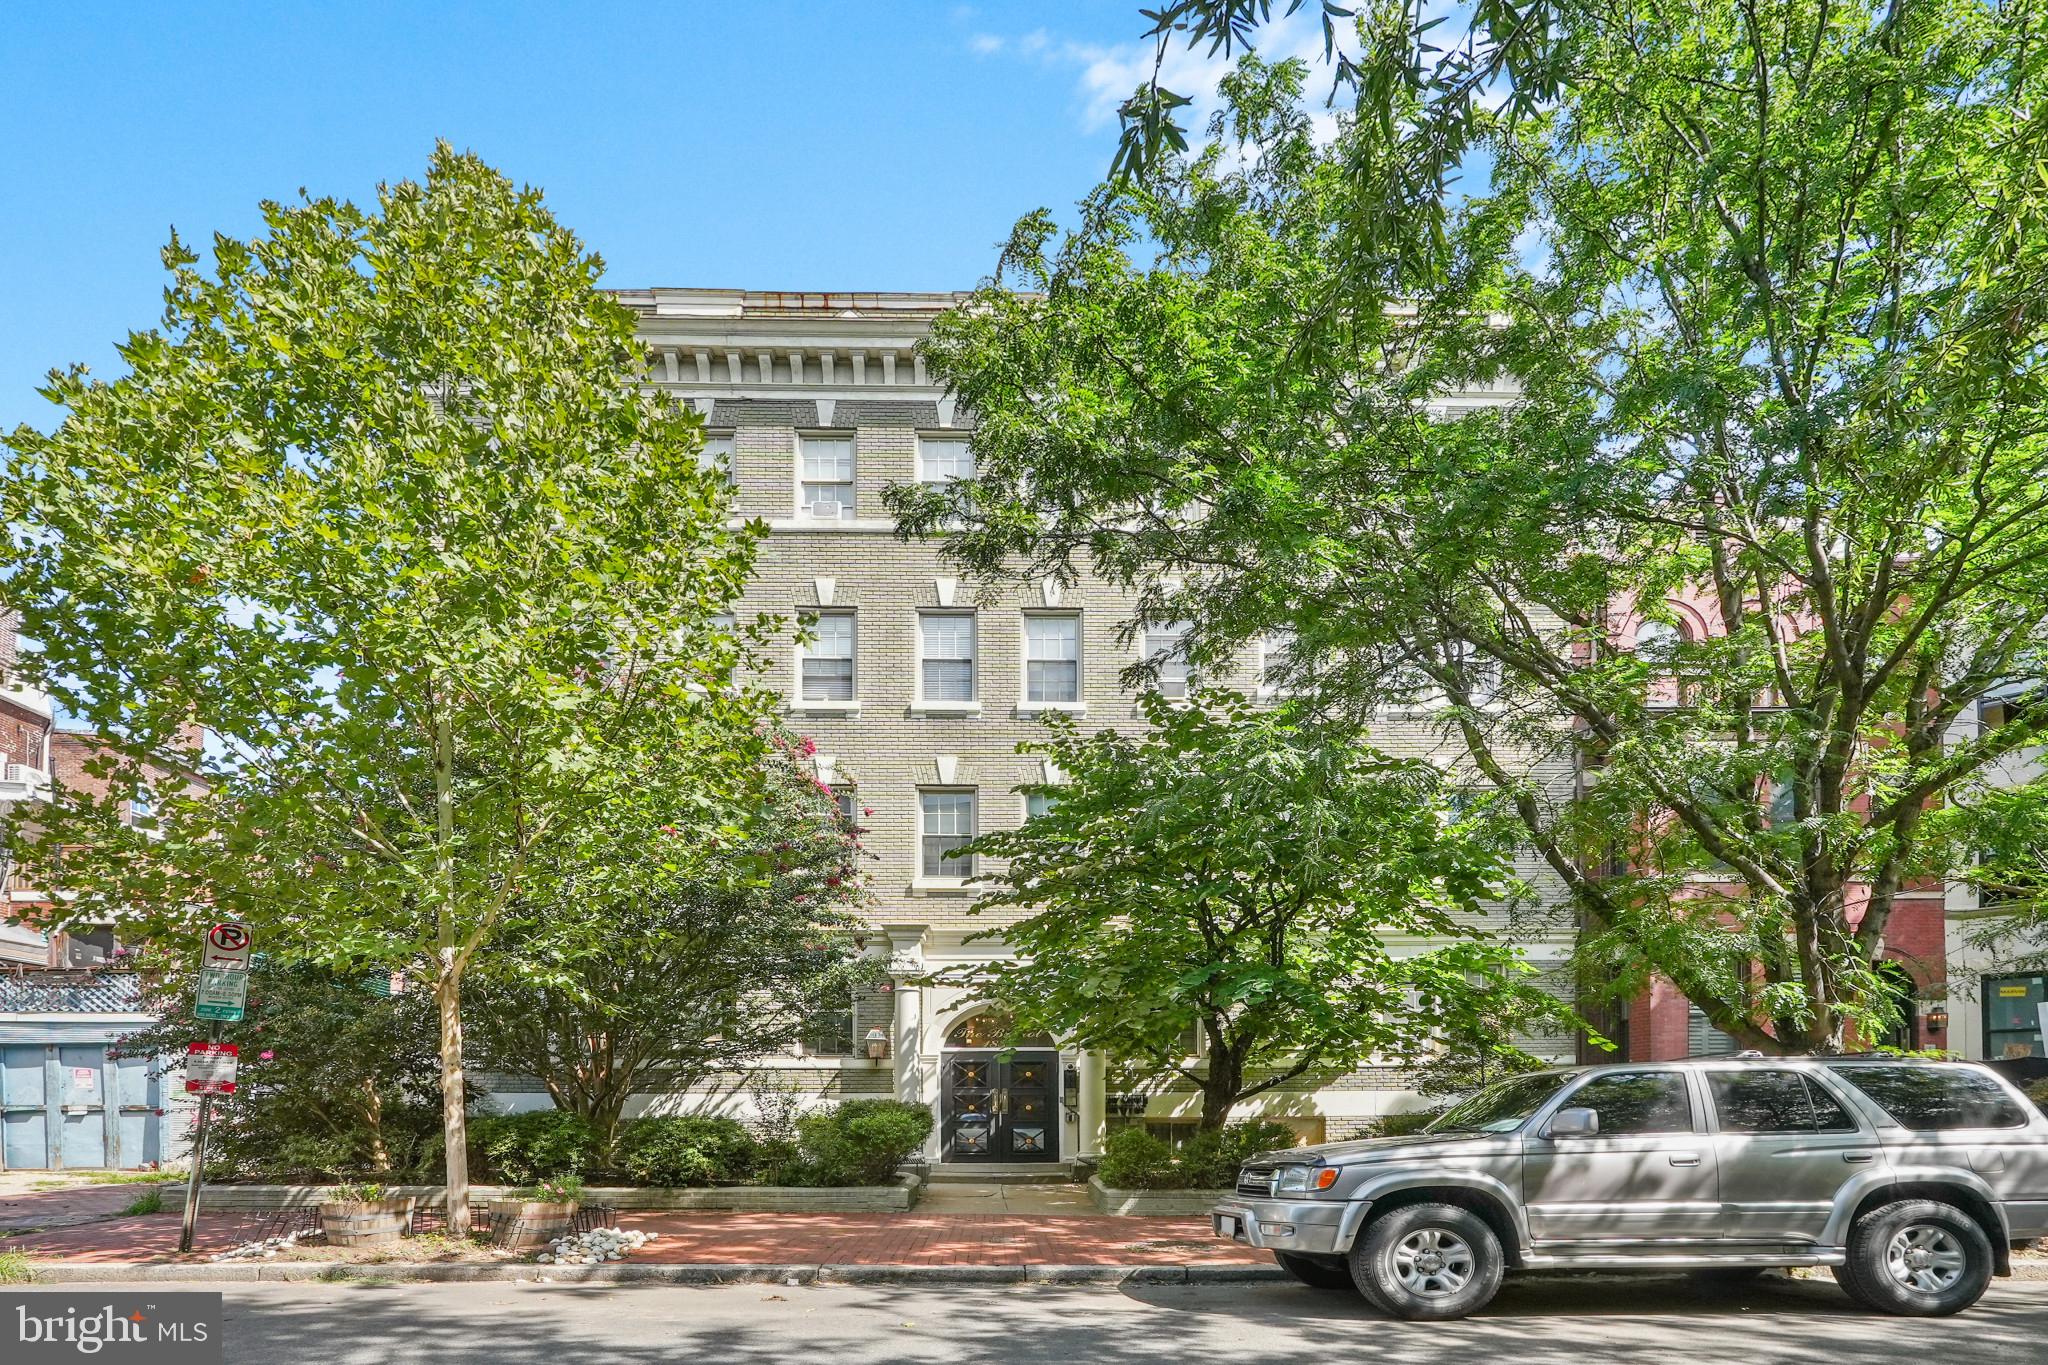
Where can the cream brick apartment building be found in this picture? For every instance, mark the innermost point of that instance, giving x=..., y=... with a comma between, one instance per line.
x=917, y=690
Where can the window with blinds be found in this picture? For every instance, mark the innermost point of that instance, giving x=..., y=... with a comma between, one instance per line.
x=828, y=659
x=1052, y=659
x=947, y=655
x=1702, y=1039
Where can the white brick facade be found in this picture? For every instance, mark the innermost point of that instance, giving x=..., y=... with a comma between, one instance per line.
x=767, y=369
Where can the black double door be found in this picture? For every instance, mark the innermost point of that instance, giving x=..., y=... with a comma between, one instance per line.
x=1000, y=1106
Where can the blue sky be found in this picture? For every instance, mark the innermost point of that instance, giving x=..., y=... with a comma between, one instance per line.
x=767, y=146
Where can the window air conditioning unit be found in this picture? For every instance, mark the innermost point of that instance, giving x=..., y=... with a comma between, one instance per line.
x=827, y=508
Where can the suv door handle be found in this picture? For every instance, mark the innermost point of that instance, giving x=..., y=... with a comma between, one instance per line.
x=1859, y=1156
x=1685, y=1158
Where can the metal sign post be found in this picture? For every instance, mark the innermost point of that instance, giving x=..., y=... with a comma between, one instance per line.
x=223, y=993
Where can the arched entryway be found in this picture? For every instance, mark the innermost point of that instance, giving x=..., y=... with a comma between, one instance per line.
x=996, y=1092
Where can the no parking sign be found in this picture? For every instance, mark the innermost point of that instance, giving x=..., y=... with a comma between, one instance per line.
x=210, y=1068
x=227, y=947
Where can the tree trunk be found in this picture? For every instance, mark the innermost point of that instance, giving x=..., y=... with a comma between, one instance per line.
x=1219, y=1090
x=454, y=1117
x=448, y=983
x=373, y=1113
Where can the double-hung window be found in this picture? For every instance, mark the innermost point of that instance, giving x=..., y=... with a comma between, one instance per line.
x=717, y=454
x=1166, y=646
x=827, y=484
x=1276, y=662
x=947, y=820
x=828, y=1024
x=946, y=655
x=944, y=459
x=1052, y=659
x=828, y=659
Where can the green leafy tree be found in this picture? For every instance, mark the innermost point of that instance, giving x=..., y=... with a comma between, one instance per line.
x=1753, y=302
x=339, y=1075
x=1303, y=901
x=382, y=506
x=636, y=963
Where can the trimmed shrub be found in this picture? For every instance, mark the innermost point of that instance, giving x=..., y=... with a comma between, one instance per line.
x=524, y=1149
x=1132, y=1159
x=1210, y=1161
x=1400, y=1125
x=779, y=1161
x=860, y=1142
x=685, y=1151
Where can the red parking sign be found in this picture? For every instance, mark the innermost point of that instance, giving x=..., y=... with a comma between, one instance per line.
x=210, y=1068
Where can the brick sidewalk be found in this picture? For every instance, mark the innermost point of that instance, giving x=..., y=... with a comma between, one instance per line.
x=70, y=1206
x=933, y=1239
x=773, y=1238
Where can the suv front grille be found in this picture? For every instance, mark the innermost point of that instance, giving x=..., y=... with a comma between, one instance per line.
x=1255, y=1180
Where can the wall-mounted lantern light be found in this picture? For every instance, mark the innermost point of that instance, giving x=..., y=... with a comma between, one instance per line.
x=1937, y=1020
x=878, y=1045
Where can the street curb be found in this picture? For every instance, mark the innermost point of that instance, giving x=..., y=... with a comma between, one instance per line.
x=920, y=1274
x=628, y=1272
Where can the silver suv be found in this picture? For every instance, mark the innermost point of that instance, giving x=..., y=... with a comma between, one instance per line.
x=1909, y=1179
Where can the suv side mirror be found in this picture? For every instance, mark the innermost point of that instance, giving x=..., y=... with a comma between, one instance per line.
x=1574, y=1123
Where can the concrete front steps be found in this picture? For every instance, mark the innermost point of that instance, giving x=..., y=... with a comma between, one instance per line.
x=999, y=1173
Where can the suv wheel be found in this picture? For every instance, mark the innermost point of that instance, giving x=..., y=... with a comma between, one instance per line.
x=1317, y=1272
x=1917, y=1257
x=1428, y=1262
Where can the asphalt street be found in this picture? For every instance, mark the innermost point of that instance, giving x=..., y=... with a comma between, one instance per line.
x=1561, y=1318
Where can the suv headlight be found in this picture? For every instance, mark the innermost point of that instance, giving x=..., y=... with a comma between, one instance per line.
x=1303, y=1179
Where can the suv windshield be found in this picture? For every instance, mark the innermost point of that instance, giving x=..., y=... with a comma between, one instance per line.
x=1499, y=1108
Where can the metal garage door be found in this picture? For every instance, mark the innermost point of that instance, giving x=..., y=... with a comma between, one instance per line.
x=67, y=1105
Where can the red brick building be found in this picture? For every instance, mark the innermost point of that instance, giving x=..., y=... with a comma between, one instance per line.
x=1660, y=1024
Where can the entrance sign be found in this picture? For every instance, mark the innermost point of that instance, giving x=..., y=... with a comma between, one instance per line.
x=227, y=947
x=223, y=992
x=210, y=1068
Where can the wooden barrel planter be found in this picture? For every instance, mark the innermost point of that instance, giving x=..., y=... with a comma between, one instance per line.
x=517, y=1223
x=366, y=1223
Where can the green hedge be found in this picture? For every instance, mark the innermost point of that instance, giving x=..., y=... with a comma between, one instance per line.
x=1132, y=1159
x=685, y=1151
x=543, y=1144
x=860, y=1142
x=1401, y=1125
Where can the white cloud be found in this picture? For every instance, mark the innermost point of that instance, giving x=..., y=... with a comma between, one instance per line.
x=1107, y=73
